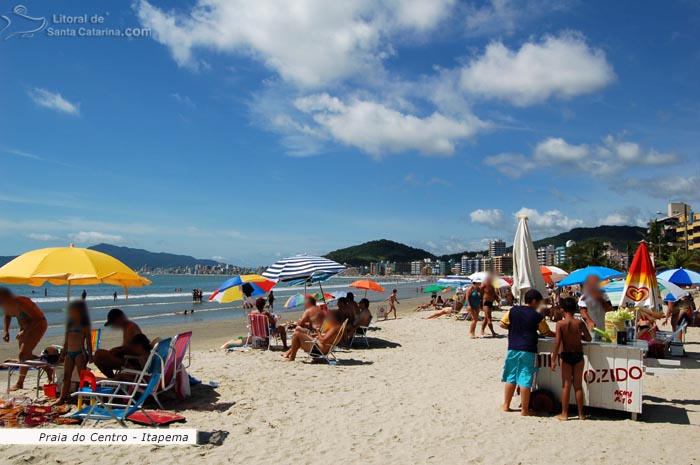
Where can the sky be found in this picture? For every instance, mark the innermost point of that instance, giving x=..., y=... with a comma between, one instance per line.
x=248, y=131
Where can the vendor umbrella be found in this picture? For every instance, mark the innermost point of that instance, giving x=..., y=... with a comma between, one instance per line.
x=641, y=288
x=367, y=285
x=526, y=271
x=71, y=266
x=680, y=277
x=580, y=276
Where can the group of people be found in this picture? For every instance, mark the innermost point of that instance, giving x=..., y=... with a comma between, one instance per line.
x=77, y=346
x=197, y=295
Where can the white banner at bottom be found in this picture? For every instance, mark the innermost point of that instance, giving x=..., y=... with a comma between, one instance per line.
x=123, y=436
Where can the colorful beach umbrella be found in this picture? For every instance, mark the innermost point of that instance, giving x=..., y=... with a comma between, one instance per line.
x=71, y=266
x=295, y=301
x=669, y=291
x=580, y=276
x=553, y=274
x=242, y=286
x=526, y=271
x=367, y=285
x=680, y=277
x=641, y=288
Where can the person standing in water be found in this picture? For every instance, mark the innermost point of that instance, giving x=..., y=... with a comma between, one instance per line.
x=84, y=294
x=115, y=296
x=32, y=324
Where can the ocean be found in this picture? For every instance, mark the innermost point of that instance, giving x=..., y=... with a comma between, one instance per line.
x=159, y=303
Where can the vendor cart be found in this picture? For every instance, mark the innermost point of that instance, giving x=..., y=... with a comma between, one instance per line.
x=612, y=375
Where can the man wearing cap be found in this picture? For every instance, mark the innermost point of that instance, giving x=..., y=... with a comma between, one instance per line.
x=113, y=359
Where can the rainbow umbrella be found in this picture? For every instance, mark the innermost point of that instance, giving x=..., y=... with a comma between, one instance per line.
x=240, y=287
x=641, y=287
x=295, y=301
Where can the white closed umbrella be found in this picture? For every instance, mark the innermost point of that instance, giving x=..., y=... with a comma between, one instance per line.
x=526, y=271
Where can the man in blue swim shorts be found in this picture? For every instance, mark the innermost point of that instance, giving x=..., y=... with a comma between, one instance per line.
x=523, y=322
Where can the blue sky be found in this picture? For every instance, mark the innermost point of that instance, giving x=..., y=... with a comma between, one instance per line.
x=252, y=130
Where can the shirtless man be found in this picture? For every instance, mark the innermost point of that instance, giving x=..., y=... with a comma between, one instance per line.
x=324, y=342
x=489, y=296
x=569, y=334
x=312, y=319
x=113, y=359
x=393, y=300
x=32, y=325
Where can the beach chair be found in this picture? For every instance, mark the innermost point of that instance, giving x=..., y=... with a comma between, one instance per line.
x=673, y=341
x=127, y=396
x=260, y=329
x=173, y=365
x=361, y=333
x=316, y=354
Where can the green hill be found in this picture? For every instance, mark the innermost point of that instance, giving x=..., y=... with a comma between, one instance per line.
x=618, y=236
x=375, y=251
x=138, y=258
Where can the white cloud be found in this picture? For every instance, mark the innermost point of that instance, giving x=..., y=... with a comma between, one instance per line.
x=612, y=156
x=666, y=187
x=378, y=129
x=551, y=221
x=94, y=237
x=563, y=66
x=491, y=217
x=507, y=16
x=627, y=217
x=513, y=165
x=43, y=237
x=308, y=42
x=54, y=101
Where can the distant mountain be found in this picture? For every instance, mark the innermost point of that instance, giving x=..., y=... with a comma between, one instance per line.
x=375, y=251
x=138, y=258
x=617, y=236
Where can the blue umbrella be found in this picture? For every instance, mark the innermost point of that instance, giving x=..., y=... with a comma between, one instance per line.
x=580, y=276
x=680, y=277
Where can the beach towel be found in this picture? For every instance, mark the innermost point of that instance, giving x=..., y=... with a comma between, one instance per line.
x=160, y=417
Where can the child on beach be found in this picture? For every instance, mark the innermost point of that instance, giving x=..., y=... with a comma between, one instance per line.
x=569, y=334
x=393, y=300
x=77, y=345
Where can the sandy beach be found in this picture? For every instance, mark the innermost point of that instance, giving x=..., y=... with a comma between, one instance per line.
x=423, y=393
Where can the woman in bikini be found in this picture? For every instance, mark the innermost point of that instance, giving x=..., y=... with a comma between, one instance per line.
x=32, y=325
x=77, y=346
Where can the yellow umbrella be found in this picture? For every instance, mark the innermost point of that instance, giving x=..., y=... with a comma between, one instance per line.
x=69, y=266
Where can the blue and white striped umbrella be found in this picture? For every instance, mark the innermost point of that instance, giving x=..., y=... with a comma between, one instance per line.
x=680, y=277
x=454, y=280
x=302, y=267
x=669, y=291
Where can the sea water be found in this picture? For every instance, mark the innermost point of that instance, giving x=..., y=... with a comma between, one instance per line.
x=160, y=303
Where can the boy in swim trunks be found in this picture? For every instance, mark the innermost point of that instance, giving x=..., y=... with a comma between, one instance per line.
x=569, y=334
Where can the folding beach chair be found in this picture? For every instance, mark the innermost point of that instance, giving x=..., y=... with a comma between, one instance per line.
x=128, y=396
x=361, y=333
x=260, y=329
x=317, y=354
x=173, y=364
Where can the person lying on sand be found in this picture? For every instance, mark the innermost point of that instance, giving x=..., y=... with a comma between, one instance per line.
x=324, y=343
x=447, y=309
x=425, y=306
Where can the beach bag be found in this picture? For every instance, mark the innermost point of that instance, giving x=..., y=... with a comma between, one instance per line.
x=542, y=401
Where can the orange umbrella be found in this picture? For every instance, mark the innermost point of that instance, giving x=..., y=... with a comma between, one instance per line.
x=546, y=274
x=367, y=285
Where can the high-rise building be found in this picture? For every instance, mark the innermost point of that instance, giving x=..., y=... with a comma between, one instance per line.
x=497, y=248
x=546, y=255
x=560, y=255
x=416, y=267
